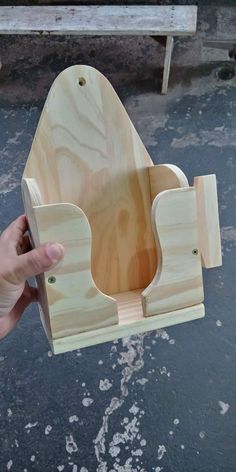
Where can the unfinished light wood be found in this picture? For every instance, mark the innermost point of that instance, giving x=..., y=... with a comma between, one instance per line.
x=88, y=168
x=166, y=177
x=99, y=336
x=68, y=225
x=140, y=20
x=87, y=152
x=178, y=281
x=208, y=220
x=31, y=196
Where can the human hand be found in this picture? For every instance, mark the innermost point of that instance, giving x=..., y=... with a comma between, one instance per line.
x=17, y=263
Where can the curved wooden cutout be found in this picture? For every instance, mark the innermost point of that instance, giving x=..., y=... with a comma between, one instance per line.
x=178, y=280
x=74, y=302
x=87, y=152
x=164, y=177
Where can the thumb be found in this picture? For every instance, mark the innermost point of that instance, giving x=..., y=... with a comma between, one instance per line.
x=38, y=260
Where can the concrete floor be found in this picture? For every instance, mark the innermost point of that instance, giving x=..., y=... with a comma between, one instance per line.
x=161, y=401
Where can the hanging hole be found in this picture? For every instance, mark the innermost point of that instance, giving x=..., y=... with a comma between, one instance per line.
x=81, y=81
x=195, y=252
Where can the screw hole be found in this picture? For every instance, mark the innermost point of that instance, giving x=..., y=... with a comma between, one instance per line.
x=195, y=252
x=81, y=81
x=52, y=279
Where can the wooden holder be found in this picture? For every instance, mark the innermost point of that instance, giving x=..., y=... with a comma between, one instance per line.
x=133, y=233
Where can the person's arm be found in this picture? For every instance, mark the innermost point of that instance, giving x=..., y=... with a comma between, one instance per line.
x=17, y=263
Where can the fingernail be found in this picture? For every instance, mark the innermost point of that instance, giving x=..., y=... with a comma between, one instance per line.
x=55, y=251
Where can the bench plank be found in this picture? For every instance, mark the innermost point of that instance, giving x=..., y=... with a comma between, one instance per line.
x=102, y=20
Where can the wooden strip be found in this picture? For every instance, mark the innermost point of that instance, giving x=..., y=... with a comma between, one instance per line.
x=135, y=326
x=166, y=177
x=167, y=61
x=143, y=20
x=178, y=280
x=208, y=220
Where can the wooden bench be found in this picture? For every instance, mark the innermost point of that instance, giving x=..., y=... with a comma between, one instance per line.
x=166, y=21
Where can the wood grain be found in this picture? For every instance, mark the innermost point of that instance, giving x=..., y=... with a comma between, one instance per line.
x=128, y=20
x=75, y=303
x=87, y=152
x=208, y=220
x=178, y=280
x=165, y=177
x=127, y=328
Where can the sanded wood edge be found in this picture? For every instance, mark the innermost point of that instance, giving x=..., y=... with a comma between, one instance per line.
x=178, y=281
x=165, y=177
x=31, y=196
x=75, y=302
x=208, y=220
x=110, y=333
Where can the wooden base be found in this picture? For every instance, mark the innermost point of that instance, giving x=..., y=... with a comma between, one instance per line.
x=131, y=321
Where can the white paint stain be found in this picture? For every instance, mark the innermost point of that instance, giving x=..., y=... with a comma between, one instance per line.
x=105, y=384
x=75, y=468
x=202, y=434
x=137, y=452
x=60, y=468
x=49, y=353
x=48, y=429
x=219, y=323
x=71, y=445
x=163, y=371
x=9, y=464
x=9, y=412
x=224, y=407
x=73, y=419
x=114, y=451
x=87, y=401
x=134, y=409
x=31, y=425
x=176, y=421
x=83, y=469
x=32, y=458
x=182, y=446
x=141, y=381
x=160, y=452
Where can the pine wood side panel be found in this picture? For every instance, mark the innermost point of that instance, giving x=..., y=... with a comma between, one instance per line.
x=75, y=303
x=208, y=220
x=165, y=177
x=178, y=281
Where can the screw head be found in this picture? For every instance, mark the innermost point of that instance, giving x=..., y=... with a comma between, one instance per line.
x=52, y=279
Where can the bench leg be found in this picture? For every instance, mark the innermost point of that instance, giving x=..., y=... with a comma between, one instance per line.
x=166, y=71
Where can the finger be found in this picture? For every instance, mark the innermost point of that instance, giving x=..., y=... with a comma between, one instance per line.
x=14, y=232
x=38, y=260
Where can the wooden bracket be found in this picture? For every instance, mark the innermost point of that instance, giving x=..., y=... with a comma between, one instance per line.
x=130, y=229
